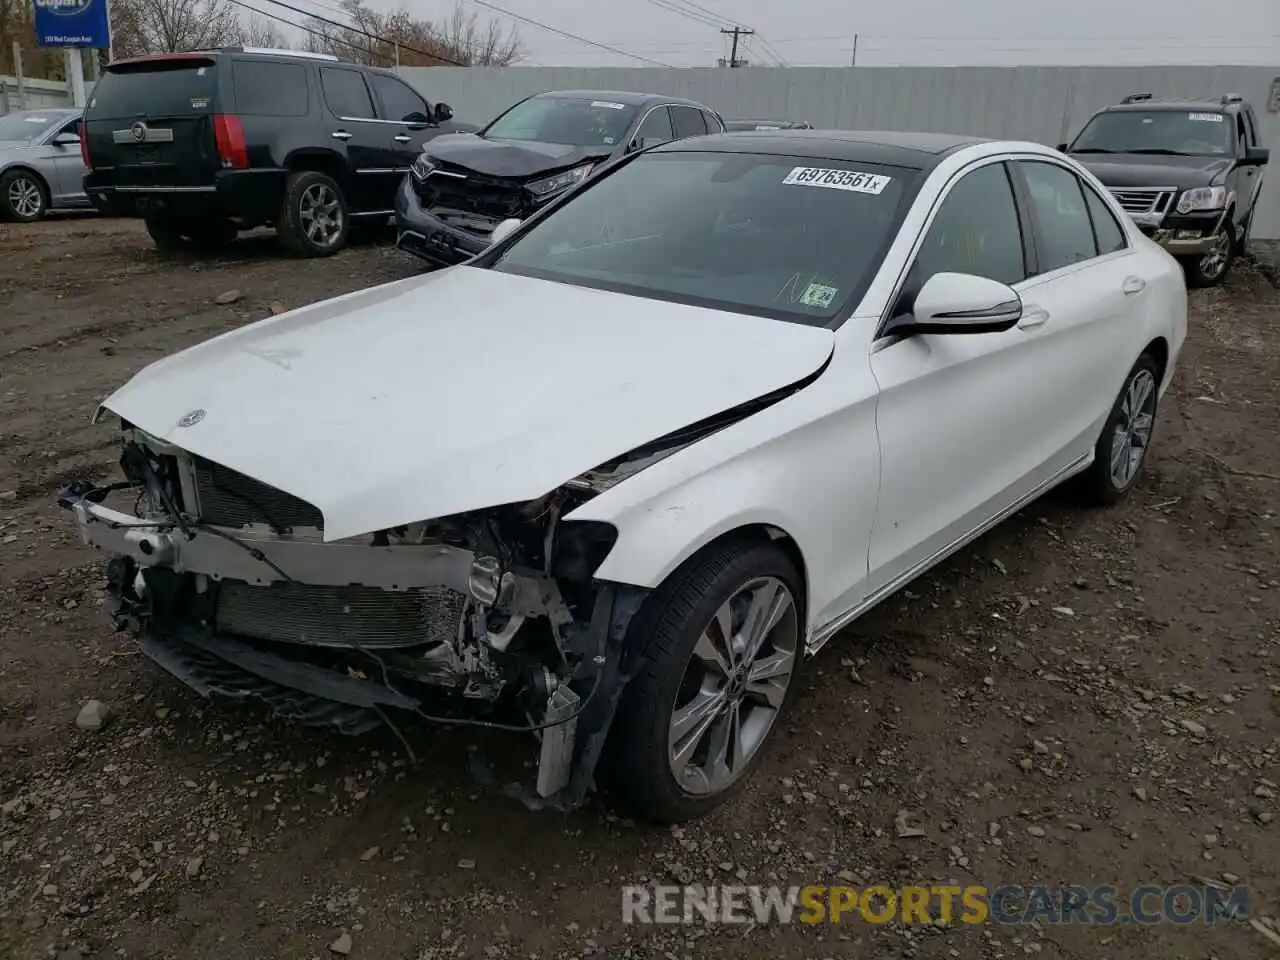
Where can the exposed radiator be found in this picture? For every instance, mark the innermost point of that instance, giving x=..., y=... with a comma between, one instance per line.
x=230, y=499
x=336, y=616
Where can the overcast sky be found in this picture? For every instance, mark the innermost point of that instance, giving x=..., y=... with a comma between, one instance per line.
x=923, y=32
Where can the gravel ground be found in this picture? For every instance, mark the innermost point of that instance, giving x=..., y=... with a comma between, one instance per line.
x=1079, y=697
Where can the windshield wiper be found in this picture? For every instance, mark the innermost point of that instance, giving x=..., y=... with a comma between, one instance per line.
x=1091, y=150
x=1161, y=152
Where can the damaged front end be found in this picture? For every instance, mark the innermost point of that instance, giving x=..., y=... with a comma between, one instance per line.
x=491, y=618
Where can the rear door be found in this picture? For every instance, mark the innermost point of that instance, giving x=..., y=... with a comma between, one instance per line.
x=688, y=122
x=354, y=129
x=149, y=122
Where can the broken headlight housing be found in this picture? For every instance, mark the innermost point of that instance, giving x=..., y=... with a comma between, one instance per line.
x=422, y=167
x=1202, y=198
x=558, y=183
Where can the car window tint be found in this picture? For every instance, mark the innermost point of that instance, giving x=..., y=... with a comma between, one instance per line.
x=713, y=124
x=71, y=128
x=346, y=94
x=1106, y=228
x=1065, y=234
x=399, y=100
x=688, y=122
x=656, y=127
x=1241, y=133
x=270, y=89
x=976, y=230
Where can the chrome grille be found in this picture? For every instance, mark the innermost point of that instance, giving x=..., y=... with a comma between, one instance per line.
x=1144, y=201
x=339, y=616
x=230, y=499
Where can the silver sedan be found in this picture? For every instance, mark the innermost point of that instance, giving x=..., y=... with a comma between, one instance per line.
x=40, y=164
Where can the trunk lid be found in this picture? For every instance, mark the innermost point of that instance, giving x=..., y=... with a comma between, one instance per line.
x=150, y=121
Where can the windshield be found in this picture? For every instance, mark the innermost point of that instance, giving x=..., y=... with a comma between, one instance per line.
x=1188, y=132
x=570, y=121
x=17, y=127
x=783, y=237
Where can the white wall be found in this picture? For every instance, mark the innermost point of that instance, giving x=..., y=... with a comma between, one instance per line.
x=1046, y=104
x=41, y=93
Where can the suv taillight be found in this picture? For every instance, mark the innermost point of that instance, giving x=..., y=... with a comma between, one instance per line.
x=229, y=135
x=84, y=146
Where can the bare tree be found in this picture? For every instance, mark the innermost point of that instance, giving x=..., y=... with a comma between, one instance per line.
x=382, y=39
x=17, y=23
x=167, y=26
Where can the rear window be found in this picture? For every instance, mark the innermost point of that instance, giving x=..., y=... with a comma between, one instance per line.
x=170, y=87
x=270, y=89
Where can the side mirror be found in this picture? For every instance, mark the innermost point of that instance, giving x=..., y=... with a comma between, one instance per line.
x=1257, y=156
x=636, y=144
x=416, y=119
x=961, y=303
x=503, y=230
x=1062, y=147
x=442, y=112
x=65, y=140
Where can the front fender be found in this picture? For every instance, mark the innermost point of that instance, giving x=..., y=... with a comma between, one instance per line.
x=808, y=466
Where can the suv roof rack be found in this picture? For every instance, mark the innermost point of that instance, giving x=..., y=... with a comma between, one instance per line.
x=281, y=52
x=1232, y=98
x=1136, y=98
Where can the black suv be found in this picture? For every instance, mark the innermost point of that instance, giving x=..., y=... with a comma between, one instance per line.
x=1187, y=171
x=205, y=144
x=535, y=152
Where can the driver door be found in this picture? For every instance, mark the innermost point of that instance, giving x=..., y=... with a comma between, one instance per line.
x=408, y=120
x=959, y=416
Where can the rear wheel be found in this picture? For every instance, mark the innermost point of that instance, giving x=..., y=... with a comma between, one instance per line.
x=211, y=235
x=313, y=220
x=166, y=234
x=23, y=197
x=1122, y=448
x=719, y=643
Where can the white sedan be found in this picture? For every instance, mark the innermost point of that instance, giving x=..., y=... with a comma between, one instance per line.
x=608, y=482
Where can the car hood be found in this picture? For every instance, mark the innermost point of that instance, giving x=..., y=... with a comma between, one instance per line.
x=458, y=390
x=510, y=158
x=1152, y=170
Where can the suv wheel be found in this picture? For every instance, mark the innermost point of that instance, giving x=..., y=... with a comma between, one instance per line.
x=165, y=234
x=314, y=221
x=22, y=197
x=1211, y=268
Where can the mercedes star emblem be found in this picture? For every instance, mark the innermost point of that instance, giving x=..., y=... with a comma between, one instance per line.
x=191, y=419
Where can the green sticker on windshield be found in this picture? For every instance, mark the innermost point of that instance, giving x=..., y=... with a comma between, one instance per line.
x=818, y=295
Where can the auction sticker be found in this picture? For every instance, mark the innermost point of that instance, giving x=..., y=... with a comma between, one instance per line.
x=837, y=179
x=1205, y=117
x=818, y=295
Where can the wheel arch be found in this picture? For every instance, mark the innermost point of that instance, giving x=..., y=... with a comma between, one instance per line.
x=320, y=160
x=740, y=529
x=1158, y=349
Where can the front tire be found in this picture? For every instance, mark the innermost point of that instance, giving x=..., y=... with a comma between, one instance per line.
x=720, y=642
x=1122, y=448
x=314, y=219
x=23, y=197
x=1211, y=269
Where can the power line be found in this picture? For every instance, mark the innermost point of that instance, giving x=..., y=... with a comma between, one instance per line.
x=671, y=7
x=304, y=29
x=366, y=33
x=556, y=30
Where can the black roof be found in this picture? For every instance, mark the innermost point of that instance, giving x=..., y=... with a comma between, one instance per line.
x=920, y=151
x=630, y=98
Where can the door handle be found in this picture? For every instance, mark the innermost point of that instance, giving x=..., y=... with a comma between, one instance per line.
x=1133, y=285
x=340, y=135
x=401, y=138
x=1032, y=317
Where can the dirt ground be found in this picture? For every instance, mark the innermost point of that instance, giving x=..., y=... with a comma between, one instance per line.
x=1081, y=697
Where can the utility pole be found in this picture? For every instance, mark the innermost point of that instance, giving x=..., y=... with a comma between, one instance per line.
x=853, y=60
x=736, y=33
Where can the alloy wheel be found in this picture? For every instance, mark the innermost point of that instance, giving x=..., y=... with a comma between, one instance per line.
x=25, y=198
x=1133, y=430
x=320, y=215
x=733, y=687
x=1214, y=263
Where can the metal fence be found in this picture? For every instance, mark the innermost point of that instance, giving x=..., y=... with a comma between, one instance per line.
x=1044, y=104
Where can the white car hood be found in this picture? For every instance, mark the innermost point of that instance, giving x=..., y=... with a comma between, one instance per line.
x=457, y=390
